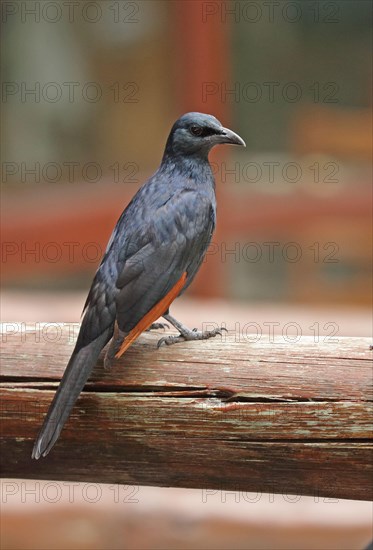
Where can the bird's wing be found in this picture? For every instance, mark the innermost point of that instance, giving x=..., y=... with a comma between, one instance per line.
x=174, y=239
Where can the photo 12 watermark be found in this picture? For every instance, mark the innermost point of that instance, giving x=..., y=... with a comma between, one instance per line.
x=238, y=496
x=70, y=11
x=290, y=252
x=276, y=172
x=70, y=171
x=271, y=92
x=53, y=492
x=69, y=92
x=270, y=11
x=289, y=332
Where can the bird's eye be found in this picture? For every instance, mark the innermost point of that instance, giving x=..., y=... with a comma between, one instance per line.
x=196, y=130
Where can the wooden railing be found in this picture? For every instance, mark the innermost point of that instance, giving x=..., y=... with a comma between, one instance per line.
x=231, y=413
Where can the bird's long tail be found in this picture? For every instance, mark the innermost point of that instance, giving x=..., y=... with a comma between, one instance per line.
x=76, y=375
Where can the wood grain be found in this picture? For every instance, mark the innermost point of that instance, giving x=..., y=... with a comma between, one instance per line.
x=230, y=413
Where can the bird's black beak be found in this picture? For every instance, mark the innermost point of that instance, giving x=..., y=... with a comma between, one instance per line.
x=227, y=136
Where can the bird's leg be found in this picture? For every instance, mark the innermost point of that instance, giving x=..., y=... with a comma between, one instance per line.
x=155, y=326
x=114, y=347
x=186, y=333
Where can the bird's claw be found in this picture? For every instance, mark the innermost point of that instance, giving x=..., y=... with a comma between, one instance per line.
x=190, y=336
x=169, y=340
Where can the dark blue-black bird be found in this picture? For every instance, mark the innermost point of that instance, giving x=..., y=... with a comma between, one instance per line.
x=153, y=254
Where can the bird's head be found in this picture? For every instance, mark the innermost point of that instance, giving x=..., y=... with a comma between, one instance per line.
x=197, y=133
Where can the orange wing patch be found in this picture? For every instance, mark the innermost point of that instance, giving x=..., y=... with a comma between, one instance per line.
x=152, y=315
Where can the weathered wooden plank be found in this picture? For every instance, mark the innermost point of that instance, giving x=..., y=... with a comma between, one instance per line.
x=269, y=416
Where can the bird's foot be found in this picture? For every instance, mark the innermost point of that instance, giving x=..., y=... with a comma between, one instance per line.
x=156, y=326
x=188, y=335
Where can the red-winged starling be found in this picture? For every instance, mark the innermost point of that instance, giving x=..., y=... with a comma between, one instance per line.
x=152, y=256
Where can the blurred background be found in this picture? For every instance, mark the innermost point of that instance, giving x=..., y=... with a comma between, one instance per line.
x=89, y=93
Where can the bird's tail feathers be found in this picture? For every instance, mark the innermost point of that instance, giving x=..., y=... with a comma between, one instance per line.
x=76, y=375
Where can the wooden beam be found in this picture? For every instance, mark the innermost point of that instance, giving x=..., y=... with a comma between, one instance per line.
x=231, y=413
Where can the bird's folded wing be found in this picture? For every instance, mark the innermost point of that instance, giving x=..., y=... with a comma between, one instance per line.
x=175, y=237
